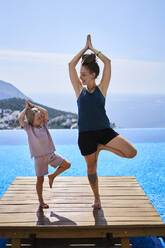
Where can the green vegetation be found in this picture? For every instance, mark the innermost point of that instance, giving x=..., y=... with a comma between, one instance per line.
x=19, y=104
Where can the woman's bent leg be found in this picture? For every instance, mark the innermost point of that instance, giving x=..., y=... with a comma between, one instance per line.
x=120, y=146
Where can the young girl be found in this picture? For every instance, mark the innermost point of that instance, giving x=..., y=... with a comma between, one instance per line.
x=41, y=146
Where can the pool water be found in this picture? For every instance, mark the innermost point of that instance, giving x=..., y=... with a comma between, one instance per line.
x=148, y=166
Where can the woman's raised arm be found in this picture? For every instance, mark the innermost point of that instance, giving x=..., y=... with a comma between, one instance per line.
x=77, y=85
x=104, y=83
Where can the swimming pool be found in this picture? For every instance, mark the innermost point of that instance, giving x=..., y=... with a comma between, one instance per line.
x=148, y=166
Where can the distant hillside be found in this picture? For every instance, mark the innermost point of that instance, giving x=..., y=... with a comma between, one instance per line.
x=10, y=109
x=19, y=104
x=12, y=102
x=7, y=90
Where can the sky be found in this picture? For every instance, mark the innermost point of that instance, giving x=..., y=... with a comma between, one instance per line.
x=39, y=38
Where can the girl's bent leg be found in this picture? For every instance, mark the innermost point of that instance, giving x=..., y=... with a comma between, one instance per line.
x=63, y=166
x=39, y=189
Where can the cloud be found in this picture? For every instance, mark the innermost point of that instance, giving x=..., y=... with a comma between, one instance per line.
x=35, y=72
x=33, y=57
x=44, y=73
x=133, y=76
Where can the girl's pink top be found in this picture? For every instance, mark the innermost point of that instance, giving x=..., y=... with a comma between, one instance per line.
x=40, y=141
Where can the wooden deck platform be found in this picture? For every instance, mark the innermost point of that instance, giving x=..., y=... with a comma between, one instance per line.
x=126, y=210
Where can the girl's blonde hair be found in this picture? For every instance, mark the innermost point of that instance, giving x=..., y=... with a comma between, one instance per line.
x=30, y=113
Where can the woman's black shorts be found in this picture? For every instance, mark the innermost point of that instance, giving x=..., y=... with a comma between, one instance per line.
x=89, y=140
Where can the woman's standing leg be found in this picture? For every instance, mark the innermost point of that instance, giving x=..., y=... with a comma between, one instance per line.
x=121, y=147
x=91, y=162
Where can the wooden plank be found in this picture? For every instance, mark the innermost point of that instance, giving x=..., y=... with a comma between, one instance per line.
x=124, y=224
x=74, y=188
x=140, y=231
x=82, y=231
x=80, y=184
x=78, y=188
x=77, y=179
x=102, y=192
x=88, y=198
x=76, y=208
x=53, y=193
x=74, y=216
x=74, y=201
x=48, y=192
x=110, y=193
x=84, y=180
x=70, y=178
x=101, y=183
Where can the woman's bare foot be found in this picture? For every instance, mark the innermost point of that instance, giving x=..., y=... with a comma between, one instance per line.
x=51, y=179
x=44, y=205
x=97, y=203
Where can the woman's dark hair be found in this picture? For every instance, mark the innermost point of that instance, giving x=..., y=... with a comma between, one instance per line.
x=89, y=61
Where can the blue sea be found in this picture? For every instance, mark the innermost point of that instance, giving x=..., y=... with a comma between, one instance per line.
x=148, y=166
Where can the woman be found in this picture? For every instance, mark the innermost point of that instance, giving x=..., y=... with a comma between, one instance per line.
x=95, y=133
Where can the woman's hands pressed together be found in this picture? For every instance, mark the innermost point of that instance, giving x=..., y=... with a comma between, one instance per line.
x=88, y=43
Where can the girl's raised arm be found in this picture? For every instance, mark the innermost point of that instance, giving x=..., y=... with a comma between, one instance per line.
x=77, y=85
x=22, y=116
x=44, y=111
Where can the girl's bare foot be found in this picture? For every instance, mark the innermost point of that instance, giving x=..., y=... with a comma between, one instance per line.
x=97, y=203
x=44, y=205
x=51, y=179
